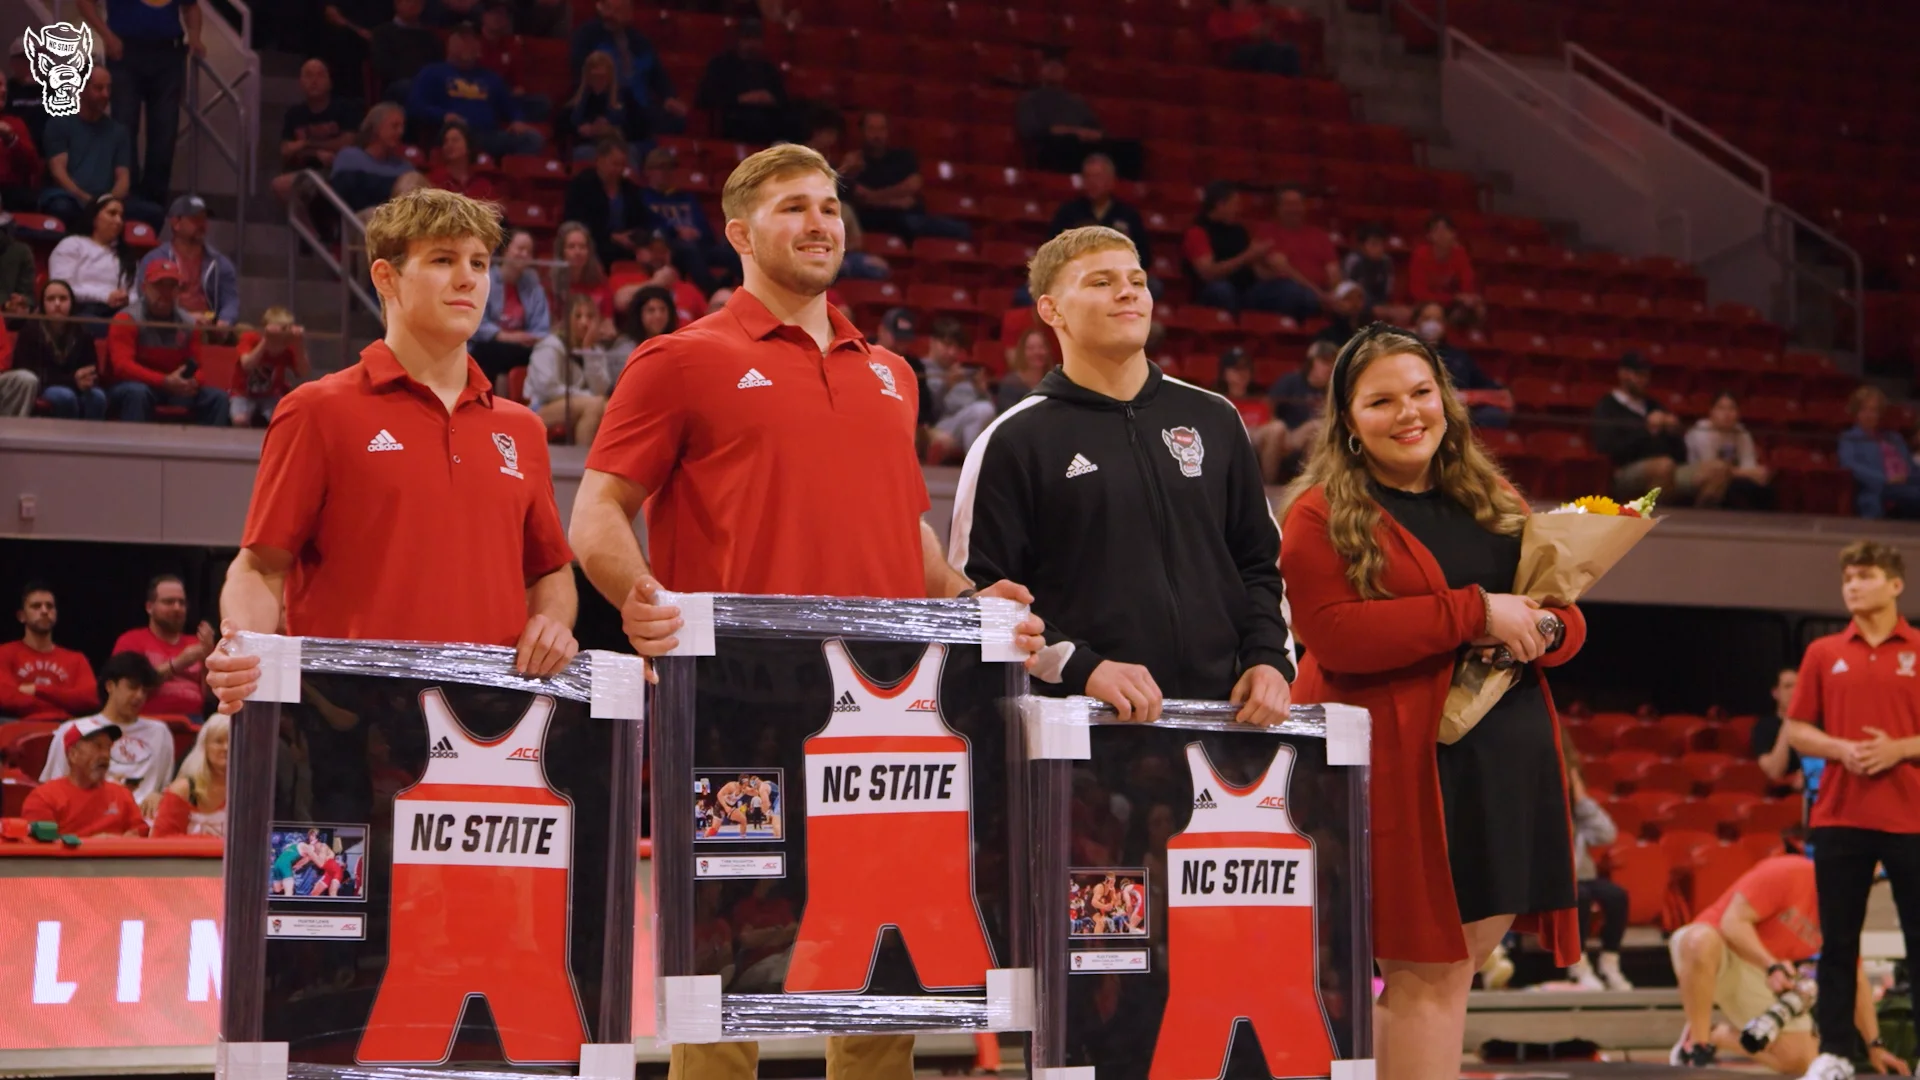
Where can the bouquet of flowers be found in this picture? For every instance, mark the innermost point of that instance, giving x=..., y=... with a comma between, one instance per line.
x=1563, y=552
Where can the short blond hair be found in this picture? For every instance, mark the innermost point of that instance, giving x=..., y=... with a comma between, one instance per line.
x=742, y=192
x=276, y=316
x=1055, y=254
x=429, y=214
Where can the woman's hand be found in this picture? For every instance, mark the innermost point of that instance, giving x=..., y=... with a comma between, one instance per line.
x=1515, y=622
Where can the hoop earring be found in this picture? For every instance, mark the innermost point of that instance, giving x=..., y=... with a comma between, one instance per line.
x=1353, y=445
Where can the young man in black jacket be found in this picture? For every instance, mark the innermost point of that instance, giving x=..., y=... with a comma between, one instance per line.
x=1133, y=505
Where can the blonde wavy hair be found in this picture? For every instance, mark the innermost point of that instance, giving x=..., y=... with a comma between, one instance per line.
x=1462, y=469
x=195, y=766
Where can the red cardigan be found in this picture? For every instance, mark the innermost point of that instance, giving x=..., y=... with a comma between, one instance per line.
x=1395, y=658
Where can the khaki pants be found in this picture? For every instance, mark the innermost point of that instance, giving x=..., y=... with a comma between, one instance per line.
x=853, y=1057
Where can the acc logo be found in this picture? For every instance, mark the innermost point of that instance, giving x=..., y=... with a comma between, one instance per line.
x=509, y=454
x=1273, y=802
x=930, y=705
x=61, y=60
x=1187, y=449
x=525, y=753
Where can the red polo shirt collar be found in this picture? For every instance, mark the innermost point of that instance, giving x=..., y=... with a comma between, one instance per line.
x=1902, y=631
x=761, y=324
x=384, y=370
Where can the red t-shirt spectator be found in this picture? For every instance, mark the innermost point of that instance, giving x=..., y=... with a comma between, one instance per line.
x=181, y=694
x=1227, y=26
x=1780, y=891
x=147, y=354
x=63, y=683
x=19, y=158
x=477, y=185
x=1433, y=280
x=1254, y=411
x=1308, y=248
x=107, y=809
x=273, y=375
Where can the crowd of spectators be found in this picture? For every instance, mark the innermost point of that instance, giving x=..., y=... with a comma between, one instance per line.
x=110, y=756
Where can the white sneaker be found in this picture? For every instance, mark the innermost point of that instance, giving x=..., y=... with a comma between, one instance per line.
x=1581, y=973
x=1830, y=1067
x=1610, y=972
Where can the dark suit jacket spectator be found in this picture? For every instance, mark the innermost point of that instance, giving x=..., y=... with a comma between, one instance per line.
x=617, y=106
x=736, y=73
x=399, y=51
x=638, y=63
x=1295, y=400
x=1116, y=215
x=589, y=204
x=1621, y=433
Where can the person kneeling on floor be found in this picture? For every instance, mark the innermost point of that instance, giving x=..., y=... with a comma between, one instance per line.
x=1740, y=954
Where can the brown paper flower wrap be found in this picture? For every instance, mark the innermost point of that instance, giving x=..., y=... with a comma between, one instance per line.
x=1563, y=552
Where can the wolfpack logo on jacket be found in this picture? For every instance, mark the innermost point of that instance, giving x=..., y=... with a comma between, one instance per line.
x=1187, y=449
x=1240, y=891
x=889, y=800
x=482, y=885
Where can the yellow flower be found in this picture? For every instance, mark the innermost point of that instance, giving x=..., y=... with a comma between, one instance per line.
x=1597, y=504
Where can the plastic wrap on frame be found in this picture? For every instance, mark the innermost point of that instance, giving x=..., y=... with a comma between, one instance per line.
x=613, y=686
x=692, y=1008
x=1059, y=736
x=1057, y=727
x=984, y=621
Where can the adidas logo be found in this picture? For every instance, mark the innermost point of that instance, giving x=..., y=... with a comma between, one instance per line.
x=443, y=749
x=846, y=703
x=1839, y=667
x=1204, y=800
x=384, y=441
x=1080, y=466
x=753, y=378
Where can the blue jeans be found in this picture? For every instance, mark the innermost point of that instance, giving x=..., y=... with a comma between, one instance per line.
x=61, y=204
x=152, y=74
x=67, y=403
x=135, y=402
x=1282, y=296
x=861, y=266
x=1490, y=416
x=697, y=262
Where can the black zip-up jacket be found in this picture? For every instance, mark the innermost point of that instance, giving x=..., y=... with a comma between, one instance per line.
x=1141, y=526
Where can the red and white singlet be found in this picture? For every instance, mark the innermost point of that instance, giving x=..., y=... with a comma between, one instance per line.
x=888, y=803
x=1240, y=931
x=482, y=857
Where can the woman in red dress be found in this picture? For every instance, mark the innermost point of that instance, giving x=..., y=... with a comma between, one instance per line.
x=1399, y=549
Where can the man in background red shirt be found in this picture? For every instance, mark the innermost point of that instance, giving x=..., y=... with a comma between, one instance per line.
x=38, y=679
x=180, y=660
x=1858, y=706
x=1302, y=252
x=83, y=803
x=1439, y=271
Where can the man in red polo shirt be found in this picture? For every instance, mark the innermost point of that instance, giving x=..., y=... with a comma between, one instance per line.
x=399, y=499
x=1858, y=706
x=772, y=449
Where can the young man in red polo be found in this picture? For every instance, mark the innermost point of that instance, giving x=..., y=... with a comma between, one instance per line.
x=399, y=499
x=1858, y=706
x=772, y=449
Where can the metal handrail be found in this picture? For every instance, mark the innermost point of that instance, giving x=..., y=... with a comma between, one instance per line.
x=1669, y=116
x=1566, y=109
x=349, y=220
x=1678, y=124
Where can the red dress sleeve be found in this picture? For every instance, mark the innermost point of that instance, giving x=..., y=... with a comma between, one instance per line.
x=1356, y=636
